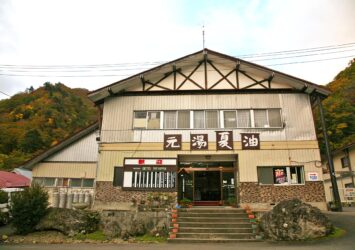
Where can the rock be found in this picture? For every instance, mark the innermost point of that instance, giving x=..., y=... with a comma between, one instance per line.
x=69, y=222
x=294, y=220
x=4, y=237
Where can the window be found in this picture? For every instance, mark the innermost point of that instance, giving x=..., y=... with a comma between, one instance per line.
x=199, y=119
x=281, y=175
x=169, y=119
x=88, y=183
x=211, y=117
x=140, y=120
x=243, y=120
x=267, y=118
x=118, y=177
x=75, y=182
x=260, y=118
x=207, y=119
x=230, y=119
x=62, y=182
x=274, y=118
x=149, y=179
x=345, y=162
x=183, y=119
x=153, y=120
x=176, y=119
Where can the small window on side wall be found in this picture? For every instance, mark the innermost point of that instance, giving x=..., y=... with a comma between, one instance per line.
x=345, y=162
x=281, y=175
x=140, y=120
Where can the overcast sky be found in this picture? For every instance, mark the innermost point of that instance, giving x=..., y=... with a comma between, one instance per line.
x=41, y=40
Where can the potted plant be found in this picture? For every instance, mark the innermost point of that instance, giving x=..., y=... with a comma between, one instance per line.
x=185, y=202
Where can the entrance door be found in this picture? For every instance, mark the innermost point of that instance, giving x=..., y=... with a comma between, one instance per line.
x=207, y=186
x=207, y=183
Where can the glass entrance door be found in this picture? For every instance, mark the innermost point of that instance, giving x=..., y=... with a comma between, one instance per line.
x=207, y=186
x=207, y=183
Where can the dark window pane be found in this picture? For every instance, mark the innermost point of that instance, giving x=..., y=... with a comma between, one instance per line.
x=75, y=183
x=118, y=177
x=212, y=119
x=183, y=119
x=265, y=175
x=230, y=119
x=88, y=182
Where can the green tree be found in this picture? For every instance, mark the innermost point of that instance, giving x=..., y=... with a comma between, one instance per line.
x=28, y=208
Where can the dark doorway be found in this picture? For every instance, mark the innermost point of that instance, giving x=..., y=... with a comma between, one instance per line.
x=207, y=186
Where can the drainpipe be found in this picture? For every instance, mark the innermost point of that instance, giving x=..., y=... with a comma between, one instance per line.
x=329, y=158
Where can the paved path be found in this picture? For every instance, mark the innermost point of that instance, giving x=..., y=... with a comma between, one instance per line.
x=345, y=220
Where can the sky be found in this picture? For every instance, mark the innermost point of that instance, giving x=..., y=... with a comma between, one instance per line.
x=90, y=44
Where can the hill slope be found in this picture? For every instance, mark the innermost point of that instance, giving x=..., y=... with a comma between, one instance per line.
x=32, y=121
x=339, y=110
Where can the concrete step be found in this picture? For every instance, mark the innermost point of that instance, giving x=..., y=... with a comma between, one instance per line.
x=245, y=224
x=214, y=230
x=192, y=240
x=212, y=210
x=215, y=214
x=216, y=235
x=211, y=219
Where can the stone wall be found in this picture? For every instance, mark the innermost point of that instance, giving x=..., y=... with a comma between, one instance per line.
x=108, y=197
x=252, y=192
x=125, y=224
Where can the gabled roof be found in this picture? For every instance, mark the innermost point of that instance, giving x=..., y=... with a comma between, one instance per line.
x=11, y=180
x=192, y=59
x=78, y=135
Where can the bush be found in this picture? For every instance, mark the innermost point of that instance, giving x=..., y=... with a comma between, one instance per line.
x=4, y=218
x=4, y=197
x=28, y=207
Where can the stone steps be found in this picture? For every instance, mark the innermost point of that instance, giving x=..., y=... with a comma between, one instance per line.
x=203, y=225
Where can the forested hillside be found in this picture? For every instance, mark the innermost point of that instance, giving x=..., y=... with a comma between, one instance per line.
x=32, y=121
x=339, y=110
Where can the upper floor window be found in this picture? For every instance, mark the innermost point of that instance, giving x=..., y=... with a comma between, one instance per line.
x=207, y=119
x=345, y=162
x=267, y=118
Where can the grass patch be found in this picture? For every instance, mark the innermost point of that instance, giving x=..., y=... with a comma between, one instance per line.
x=150, y=239
x=97, y=235
x=337, y=232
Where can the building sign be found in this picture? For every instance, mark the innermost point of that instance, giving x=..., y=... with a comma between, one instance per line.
x=313, y=176
x=224, y=140
x=149, y=174
x=172, y=142
x=349, y=192
x=199, y=141
x=250, y=141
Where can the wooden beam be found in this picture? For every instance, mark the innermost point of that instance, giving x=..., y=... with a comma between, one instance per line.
x=156, y=84
x=188, y=77
x=223, y=76
x=270, y=79
x=143, y=82
x=237, y=74
x=257, y=83
x=174, y=70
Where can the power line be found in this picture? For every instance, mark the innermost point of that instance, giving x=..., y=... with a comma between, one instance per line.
x=123, y=75
x=267, y=54
x=4, y=93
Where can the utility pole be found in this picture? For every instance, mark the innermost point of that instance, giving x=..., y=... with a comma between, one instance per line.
x=329, y=158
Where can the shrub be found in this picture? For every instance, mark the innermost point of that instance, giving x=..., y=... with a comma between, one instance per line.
x=4, y=197
x=28, y=207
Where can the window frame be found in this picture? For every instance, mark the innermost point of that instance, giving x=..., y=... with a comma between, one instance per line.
x=220, y=119
x=343, y=159
x=288, y=175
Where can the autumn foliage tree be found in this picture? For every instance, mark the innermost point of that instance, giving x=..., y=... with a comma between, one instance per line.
x=339, y=109
x=33, y=121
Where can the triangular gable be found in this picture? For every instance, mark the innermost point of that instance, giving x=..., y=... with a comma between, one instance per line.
x=207, y=70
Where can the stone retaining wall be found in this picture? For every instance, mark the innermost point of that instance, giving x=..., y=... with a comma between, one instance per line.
x=134, y=223
x=252, y=192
